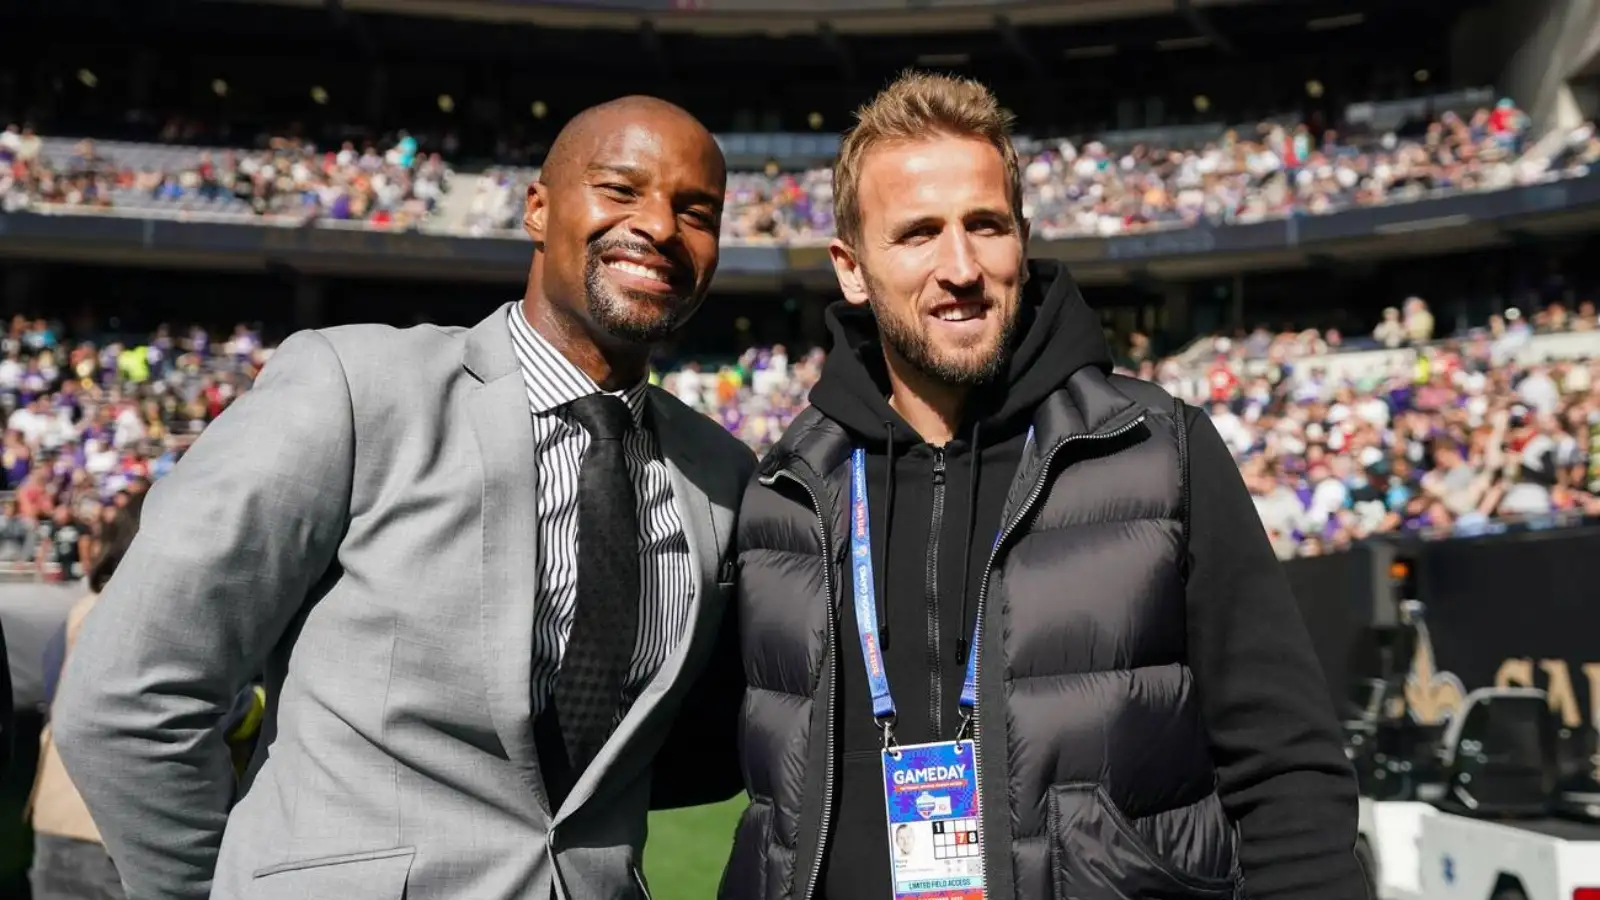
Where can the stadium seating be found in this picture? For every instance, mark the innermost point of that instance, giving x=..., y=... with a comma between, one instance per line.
x=1124, y=183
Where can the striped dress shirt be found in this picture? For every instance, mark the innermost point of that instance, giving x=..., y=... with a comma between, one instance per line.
x=666, y=573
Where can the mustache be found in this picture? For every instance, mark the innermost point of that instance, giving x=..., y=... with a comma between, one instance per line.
x=977, y=295
x=603, y=245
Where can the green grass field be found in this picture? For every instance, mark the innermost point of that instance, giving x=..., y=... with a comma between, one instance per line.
x=688, y=848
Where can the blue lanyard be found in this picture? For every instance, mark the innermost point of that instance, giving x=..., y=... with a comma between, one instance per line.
x=865, y=592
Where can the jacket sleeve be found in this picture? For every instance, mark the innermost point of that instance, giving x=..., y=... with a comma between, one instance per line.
x=1282, y=771
x=230, y=544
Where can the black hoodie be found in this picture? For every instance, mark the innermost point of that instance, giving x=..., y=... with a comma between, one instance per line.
x=934, y=515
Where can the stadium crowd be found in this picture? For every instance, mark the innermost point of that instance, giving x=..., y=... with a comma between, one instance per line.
x=1095, y=189
x=397, y=187
x=1457, y=437
x=1092, y=188
x=1072, y=188
x=90, y=423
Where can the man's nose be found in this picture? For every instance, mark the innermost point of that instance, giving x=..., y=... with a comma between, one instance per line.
x=958, y=264
x=654, y=219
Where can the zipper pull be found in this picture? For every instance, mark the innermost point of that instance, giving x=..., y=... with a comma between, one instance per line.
x=938, y=465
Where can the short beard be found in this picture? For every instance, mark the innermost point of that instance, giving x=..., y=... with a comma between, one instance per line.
x=615, y=314
x=913, y=346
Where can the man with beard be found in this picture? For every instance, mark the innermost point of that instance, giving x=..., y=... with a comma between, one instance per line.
x=1061, y=637
x=481, y=569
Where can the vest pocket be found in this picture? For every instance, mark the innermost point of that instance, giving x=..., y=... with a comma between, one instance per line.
x=1097, y=854
x=745, y=877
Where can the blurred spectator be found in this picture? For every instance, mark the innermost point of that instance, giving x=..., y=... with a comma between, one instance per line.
x=17, y=537
x=1390, y=332
x=63, y=543
x=497, y=201
x=1418, y=321
x=69, y=858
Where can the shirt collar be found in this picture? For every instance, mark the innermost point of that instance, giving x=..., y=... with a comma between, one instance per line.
x=552, y=380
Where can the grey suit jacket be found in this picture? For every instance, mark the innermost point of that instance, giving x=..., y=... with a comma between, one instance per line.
x=361, y=527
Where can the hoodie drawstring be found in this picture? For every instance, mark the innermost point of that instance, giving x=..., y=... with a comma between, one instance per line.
x=975, y=452
x=888, y=517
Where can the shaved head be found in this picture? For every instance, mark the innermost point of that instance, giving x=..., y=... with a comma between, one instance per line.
x=575, y=143
x=625, y=216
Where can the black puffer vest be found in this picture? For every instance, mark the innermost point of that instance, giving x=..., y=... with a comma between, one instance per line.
x=1095, y=774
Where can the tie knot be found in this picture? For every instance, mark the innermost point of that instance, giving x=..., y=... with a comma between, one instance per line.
x=605, y=417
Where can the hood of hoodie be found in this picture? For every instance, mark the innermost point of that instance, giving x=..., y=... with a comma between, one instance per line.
x=1056, y=335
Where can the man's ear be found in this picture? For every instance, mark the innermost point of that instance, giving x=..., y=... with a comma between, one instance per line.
x=535, y=212
x=1023, y=231
x=847, y=268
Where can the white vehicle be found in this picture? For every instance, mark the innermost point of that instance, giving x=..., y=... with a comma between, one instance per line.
x=1482, y=830
x=1390, y=846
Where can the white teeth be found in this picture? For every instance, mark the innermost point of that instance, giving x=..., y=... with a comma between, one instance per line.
x=959, y=313
x=633, y=268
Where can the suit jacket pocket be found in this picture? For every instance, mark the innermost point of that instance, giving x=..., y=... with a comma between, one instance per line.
x=639, y=882
x=372, y=875
x=1097, y=854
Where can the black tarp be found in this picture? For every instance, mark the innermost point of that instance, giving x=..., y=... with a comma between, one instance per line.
x=1517, y=608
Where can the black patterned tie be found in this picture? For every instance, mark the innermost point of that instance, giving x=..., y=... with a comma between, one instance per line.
x=588, y=688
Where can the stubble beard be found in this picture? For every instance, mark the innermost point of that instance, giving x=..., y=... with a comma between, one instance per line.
x=617, y=313
x=912, y=344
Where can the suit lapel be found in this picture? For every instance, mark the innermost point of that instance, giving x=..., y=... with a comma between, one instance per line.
x=503, y=427
x=704, y=520
x=707, y=527
x=706, y=530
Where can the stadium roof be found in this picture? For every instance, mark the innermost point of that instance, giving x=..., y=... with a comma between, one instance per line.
x=782, y=17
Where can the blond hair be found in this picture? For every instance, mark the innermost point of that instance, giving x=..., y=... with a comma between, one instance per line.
x=918, y=106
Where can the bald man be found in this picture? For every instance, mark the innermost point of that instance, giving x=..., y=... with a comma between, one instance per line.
x=482, y=570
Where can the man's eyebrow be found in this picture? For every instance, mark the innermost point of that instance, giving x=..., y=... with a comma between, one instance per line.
x=638, y=174
x=899, y=230
x=697, y=195
x=633, y=173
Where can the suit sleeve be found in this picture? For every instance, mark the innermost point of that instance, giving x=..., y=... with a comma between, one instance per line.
x=230, y=544
x=8, y=729
x=1282, y=771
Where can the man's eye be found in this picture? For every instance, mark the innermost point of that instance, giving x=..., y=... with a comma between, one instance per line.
x=619, y=190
